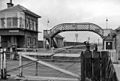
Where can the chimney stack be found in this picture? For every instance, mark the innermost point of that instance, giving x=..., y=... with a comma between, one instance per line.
x=10, y=4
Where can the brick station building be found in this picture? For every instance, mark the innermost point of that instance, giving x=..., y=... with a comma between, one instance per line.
x=18, y=27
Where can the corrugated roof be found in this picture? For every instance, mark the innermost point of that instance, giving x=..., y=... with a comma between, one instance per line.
x=21, y=8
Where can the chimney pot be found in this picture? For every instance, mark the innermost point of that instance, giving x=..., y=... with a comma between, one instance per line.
x=10, y=4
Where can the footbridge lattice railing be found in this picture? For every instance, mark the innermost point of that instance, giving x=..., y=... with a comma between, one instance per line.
x=50, y=34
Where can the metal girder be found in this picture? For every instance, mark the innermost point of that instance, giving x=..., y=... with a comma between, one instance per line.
x=49, y=34
x=75, y=27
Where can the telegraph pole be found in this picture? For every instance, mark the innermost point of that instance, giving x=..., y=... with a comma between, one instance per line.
x=106, y=23
x=46, y=32
x=48, y=23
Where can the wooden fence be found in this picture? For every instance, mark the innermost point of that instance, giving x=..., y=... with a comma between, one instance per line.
x=97, y=66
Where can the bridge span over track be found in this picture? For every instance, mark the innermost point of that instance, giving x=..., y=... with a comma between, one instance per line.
x=50, y=34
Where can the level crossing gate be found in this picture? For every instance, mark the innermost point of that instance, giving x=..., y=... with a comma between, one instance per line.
x=95, y=66
x=19, y=69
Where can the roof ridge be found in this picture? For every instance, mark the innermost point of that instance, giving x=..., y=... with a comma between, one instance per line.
x=10, y=8
x=26, y=10
x=21, y=8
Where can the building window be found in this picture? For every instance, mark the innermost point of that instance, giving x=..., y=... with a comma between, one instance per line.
x=27, y=23
x=30, y=24
x=2, y=20
x=21, y=24
x=9, y=22
x=15, y=22
x=28, y=42
x=34, y=41
x=34, y=25
x=12, y=22
x=31, y=41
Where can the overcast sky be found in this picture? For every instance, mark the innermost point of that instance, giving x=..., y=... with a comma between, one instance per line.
x=77, y=11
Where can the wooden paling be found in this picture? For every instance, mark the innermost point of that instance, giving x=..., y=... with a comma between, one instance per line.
x=97, y=66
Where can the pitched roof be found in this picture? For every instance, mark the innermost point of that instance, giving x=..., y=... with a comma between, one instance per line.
x=21, y=8
x=118, y=28
x=108, y=38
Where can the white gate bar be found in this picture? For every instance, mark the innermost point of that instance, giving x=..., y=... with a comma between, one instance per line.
x=49, y=54
x=51, y=78
x=20, y=64
x=44, y=78
x=52, y=66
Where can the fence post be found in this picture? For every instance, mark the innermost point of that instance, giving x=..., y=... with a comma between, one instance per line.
x=96, y=66
x=4, y=64
x=1, y=64
x=82, y=67
x=20, y=65
x=36, y=69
